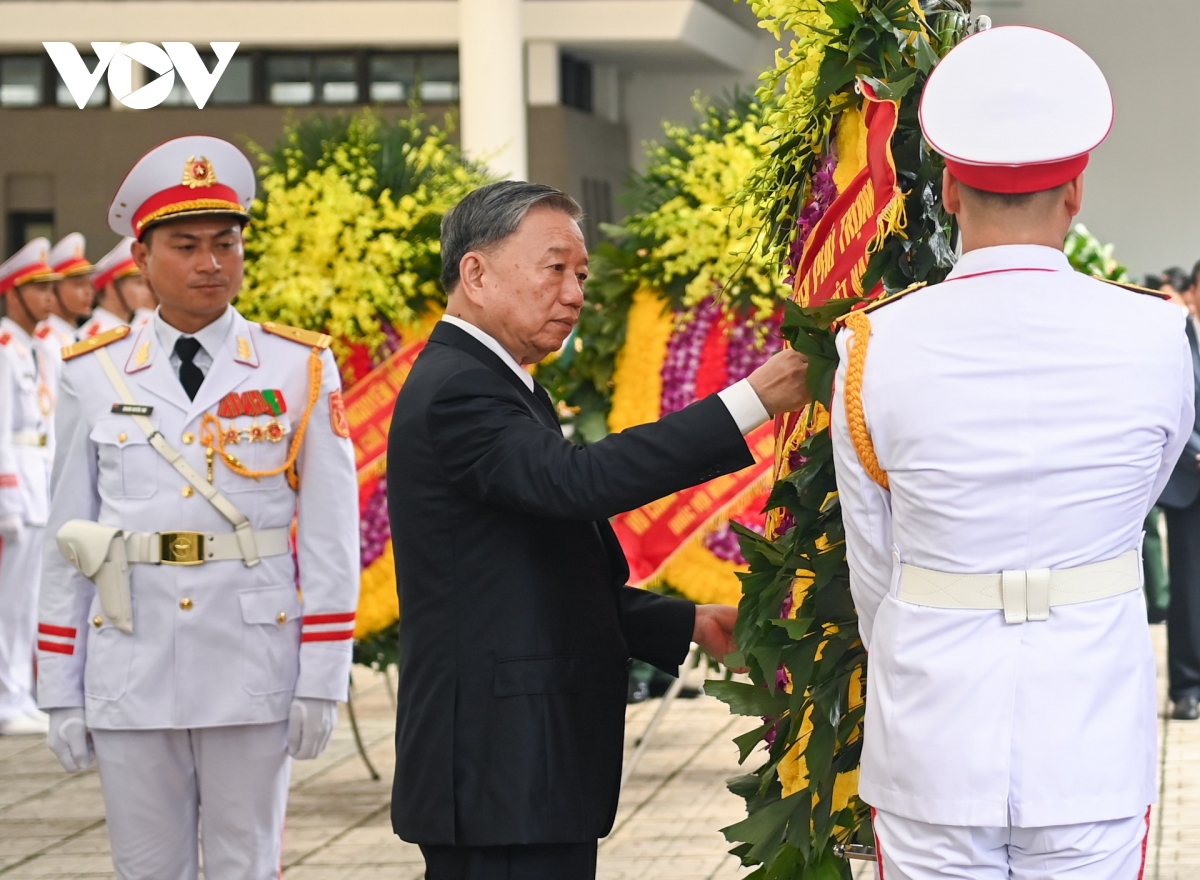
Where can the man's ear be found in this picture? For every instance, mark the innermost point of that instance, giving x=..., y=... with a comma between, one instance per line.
x=472, y=272
x=1074, y=196
x=140, y=251
x=951, y=193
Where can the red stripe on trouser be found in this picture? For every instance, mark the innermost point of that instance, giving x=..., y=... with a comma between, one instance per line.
x=1145, y=845
x=878, y=846
x=319, y=619
x=332, y=636
x=56, y=647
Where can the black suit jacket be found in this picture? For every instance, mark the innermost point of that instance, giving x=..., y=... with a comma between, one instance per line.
x=1183, y=488
x=516, y=625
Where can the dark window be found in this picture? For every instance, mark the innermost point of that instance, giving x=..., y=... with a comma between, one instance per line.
x=393, y=77
x=25, y=226
x=236, y=85
x=99, y=96
x=290, y=79
x=576, y=77
x=597, y=208
x=337, y=79
x=22, y=81
x=439, y=78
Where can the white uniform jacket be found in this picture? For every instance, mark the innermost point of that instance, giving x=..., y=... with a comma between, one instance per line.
x=101, y=321
x=218, y=643
x=28, y=376
x=1028, y=417
x=57, y=332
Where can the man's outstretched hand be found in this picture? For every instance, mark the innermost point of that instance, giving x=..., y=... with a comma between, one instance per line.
x=714, y=630
x=782, y=382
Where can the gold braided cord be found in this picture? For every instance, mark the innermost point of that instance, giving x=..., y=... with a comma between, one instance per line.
x=860, y=325
x=212, y=435
x=191, y=205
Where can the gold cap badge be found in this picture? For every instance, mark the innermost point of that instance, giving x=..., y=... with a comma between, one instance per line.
x=198, y=172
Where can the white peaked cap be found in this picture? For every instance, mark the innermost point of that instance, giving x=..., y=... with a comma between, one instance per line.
x=28, y=265
x=117, y=263
x=67, y=257
x=1016, y=109
x=185, y=177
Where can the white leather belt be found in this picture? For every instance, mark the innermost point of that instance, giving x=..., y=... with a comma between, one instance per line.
x=1022, y=595
x=196, y=548
x=28, y=438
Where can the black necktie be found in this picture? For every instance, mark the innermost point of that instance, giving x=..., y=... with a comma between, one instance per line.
x=190, y=375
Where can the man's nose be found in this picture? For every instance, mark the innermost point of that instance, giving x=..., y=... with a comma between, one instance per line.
x=208, y=262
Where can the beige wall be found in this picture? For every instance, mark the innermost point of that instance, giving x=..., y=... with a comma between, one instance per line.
x=85, y=154
x=1143, y=184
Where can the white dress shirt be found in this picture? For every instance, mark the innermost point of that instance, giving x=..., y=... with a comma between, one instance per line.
x=211, y=338
x=739, y=398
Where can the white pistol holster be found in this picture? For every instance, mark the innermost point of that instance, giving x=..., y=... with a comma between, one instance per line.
x=99, y=553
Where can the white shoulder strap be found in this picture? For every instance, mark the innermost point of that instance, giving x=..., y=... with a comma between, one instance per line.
x=241, y=525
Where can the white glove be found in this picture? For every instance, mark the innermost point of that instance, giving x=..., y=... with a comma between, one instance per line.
x=12, y=527
x=69, y=739
x=310, y=725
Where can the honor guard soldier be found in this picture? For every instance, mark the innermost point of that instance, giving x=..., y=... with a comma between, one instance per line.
x=120, y=291
x=27, y=380
x=74, y=295
x=174, y=644
x=999, y=439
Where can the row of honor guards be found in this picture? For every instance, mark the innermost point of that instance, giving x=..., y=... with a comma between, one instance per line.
x=162, y=464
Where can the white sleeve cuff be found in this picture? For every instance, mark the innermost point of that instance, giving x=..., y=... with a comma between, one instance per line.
x=743, y=404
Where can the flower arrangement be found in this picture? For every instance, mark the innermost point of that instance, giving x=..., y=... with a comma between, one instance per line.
x=797, y=626
x=346, y=241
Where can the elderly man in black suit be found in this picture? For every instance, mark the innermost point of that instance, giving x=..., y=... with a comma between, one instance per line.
x=517, y=627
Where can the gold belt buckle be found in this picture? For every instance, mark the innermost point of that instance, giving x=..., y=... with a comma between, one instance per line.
x=43, y=439
x=182, y=548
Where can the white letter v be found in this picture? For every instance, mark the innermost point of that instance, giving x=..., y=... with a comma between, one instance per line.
x=80, y=81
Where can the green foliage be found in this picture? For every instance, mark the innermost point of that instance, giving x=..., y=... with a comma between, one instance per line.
x=890, y=45
x=1089, y=256
x=346, y=234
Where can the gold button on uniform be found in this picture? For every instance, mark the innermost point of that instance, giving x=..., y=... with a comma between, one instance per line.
x=185, y=604
x=121, y=438
x=189, y=438
x=97, y=621
x=281, y=618
x=188, y=491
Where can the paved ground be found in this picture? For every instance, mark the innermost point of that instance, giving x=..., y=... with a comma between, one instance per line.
x=52, y=825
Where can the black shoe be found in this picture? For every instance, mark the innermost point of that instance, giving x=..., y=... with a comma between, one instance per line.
x=1186, y=709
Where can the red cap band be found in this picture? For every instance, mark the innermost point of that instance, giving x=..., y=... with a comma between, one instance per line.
x=26, y=274
x=183, y=199
x=73, y=266
x=1018, y=179
x=121, y=270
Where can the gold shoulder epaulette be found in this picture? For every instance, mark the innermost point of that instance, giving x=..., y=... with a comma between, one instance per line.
x=1146, y=290
x=92, y=343
x=305, y=337
x=883, y=301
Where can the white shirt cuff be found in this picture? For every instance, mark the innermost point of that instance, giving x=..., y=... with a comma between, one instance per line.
x=745, y=407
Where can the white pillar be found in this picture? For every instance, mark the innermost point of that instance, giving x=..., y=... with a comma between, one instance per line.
x=543, y=73
x=492, y=85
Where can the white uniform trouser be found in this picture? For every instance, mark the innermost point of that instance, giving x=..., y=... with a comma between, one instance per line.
x=161, y=785
x=912, y=850
x=20, y=572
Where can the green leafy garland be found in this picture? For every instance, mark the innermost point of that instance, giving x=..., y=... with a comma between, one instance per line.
x=807, y=667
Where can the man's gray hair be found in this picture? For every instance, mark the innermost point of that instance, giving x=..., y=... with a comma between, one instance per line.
x=491, y=214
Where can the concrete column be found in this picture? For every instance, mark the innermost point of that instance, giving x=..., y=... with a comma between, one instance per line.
x=544, y=73
x=492, y=85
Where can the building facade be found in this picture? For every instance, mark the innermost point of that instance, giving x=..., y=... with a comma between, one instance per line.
x=559, y=91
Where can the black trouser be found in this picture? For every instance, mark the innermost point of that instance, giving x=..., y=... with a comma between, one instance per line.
x=1183, y=613
x=539, y=861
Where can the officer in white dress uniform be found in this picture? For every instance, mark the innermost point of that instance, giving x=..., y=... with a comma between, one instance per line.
x=27, y=379
x=999, y=439
x=120, y=290
x=74, y=296
x=192, y=666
